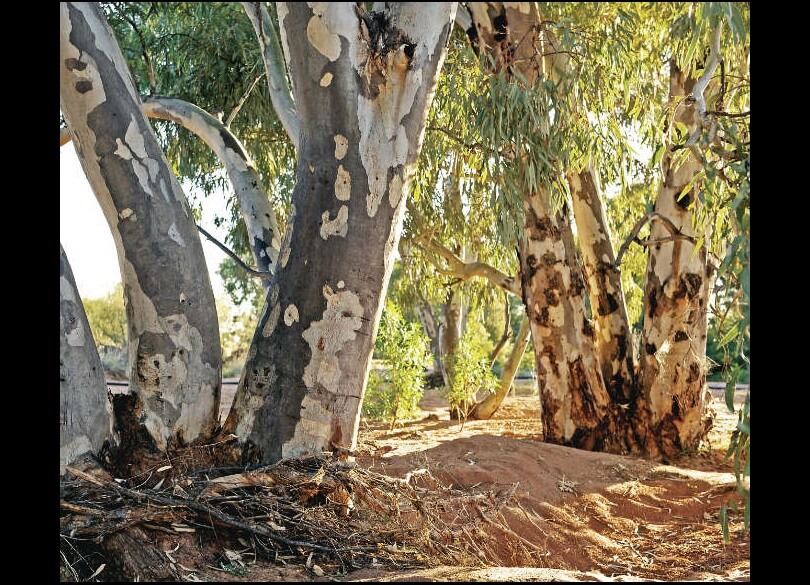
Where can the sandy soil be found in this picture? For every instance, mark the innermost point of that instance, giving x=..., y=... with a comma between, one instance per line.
x=573, y=515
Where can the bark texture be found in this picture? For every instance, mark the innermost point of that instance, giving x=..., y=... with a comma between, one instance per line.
x=613, y=338
x=85, y=412
x=487, y=407
x=175, y=355
x=572, y=392
x=674, y=412
x=362, y=84
x=576, y=407
x=254, y=205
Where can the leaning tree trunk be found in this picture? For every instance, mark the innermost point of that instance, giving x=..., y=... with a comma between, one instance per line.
x=487, y=407
x=613, y=338
x=362, y=83
x=674, y=413
x=254, y=205
x=174, y=356
x=85, y=413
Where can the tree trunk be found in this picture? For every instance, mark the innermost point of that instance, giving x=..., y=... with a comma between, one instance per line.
x=424, y=312
x=174, y=351
x=254, y=206
x=85, y=413
x=362, y=83
x=487, y=407
x=575, y=403
x=674, y=412
x=613, y=338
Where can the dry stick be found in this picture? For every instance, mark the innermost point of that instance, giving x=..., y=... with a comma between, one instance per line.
x=221, y=516
x=242, y=100
x=234, y=257
x=633, y=237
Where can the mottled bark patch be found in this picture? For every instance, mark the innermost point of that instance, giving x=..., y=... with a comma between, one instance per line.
x=74, y=64
x=83, y=86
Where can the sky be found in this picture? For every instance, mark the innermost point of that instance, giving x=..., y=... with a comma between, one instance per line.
x=87, y=240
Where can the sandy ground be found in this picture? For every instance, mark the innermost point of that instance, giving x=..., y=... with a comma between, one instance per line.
x=573, y=515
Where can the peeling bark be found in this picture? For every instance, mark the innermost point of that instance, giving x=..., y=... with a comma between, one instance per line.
x=85, y=412
x=575, y=402
x=175, y=355
x=612, y=335
x=361, y=132
x=674, y=413
x=577, y=409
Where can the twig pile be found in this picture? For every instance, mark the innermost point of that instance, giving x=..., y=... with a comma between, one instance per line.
x=348, y=516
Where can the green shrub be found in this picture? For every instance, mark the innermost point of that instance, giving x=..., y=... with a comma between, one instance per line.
x=395, y=393
x=470, y=373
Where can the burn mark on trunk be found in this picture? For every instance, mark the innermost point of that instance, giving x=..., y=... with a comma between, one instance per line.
x=676, y=407
x=652, y=302
x=549, y=259
x=650, y=348
x=607, y=304
x=389, y=49
x=531, y=265
x=681, y=336
x=695, y=374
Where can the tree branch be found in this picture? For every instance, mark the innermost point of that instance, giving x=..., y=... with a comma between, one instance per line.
x=273, y=57
x=729, y=115
x=242, y=100
x=233, y=256
x=150, y=71
x=465, y=270
x=703, y=81
x=675, y=234
x=209, y=511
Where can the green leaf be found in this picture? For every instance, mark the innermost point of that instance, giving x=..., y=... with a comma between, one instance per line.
x=659, y=152
x=724, y=523
x=729, y=335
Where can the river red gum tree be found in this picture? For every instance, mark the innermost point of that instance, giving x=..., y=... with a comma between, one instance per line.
x=362, y=84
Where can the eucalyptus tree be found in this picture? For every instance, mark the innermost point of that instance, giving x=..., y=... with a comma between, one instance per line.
x=175, y=357
x=85, y=416
x=591, y=397
x=361, y=84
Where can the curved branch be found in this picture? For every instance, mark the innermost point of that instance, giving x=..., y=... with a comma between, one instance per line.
x=701, y=84
x=233, y=256
x=254, y=205
x=273, y=58
x=465, y=270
